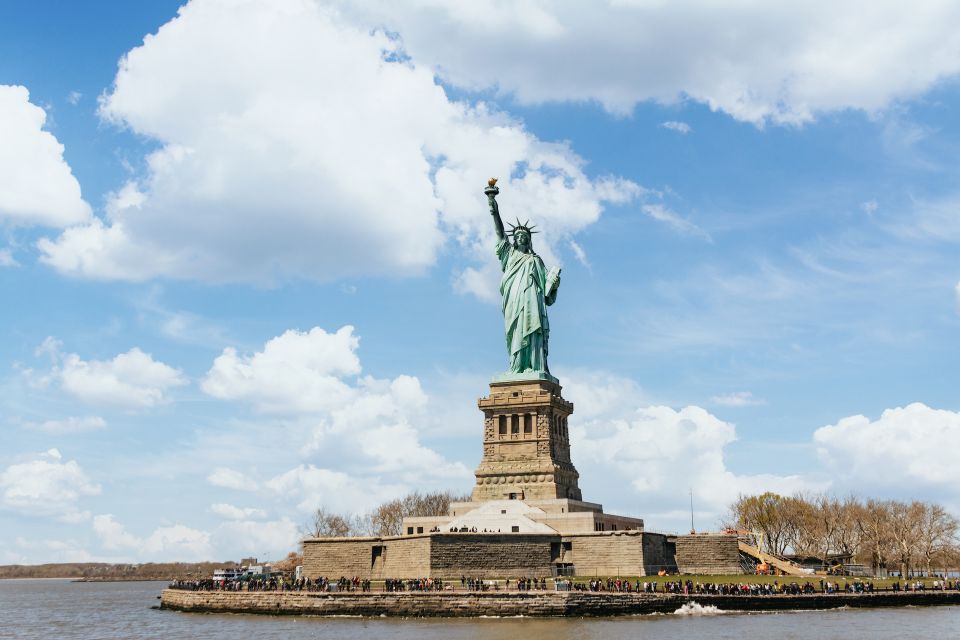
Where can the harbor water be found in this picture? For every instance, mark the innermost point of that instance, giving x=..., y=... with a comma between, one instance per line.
x=64, y=609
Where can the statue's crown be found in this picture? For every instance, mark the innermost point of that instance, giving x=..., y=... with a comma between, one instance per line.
x=526, y=226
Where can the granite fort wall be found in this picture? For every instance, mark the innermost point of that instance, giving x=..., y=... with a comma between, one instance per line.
x=469, y=604
x=337, y=557
x=450, y=555
x=659, y=552
x=487, y=556
x=607, y=554
x=706, y=554
x=438, y=555
x=405, y=557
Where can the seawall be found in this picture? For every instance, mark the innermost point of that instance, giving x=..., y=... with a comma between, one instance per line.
x=527, y=603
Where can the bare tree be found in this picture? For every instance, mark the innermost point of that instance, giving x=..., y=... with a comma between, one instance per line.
x=905, y=522
x=327, y=524
x=795, y=516
x=875, y=533
x=807, y=537
x=387, y=519
x=825, y=515
x=361, y=524
x=765, y=515
x=847, y=539
x=937, y=533
x=289, y=563
x=384, y=520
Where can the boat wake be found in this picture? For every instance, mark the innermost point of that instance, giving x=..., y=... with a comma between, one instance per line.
x=697, y=609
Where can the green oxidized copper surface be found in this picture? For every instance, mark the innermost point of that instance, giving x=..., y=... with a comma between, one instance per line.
x=527, y=288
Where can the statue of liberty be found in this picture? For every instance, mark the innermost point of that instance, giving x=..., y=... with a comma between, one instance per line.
x=527, y=289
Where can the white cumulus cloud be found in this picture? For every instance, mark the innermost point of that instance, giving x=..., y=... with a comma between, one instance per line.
x=238, y=536
x=112, y=534
x=737, y=399
x=178, y=542
x=7, y=259
x=678, y=126
x=295, y=142
x=661, y=453
x=273, y=538
x=230, y=512
x=70, y=424
x=312, y=378
x=231, y=479
x=642, y=459
x=164, y=544
x=600, y=395
x=312, y=487
x=757, y=61
x=294, y=372
x=482, y=282
x=904, y=449
x=46, y=485
x=40, y=550
x=132, y=379
x=37, y=186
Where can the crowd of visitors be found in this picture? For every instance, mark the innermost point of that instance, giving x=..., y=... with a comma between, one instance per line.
x=475, y=584
x=520, y=584
x=754, y=589
x=526, y=584
x=616, y=585
x=274, y=583
x=938, y=585
x=414, y=584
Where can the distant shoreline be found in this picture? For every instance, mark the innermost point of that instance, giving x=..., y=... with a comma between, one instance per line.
x=81, y=579
x=111, y=572
x=36, y=579
x=168, y=579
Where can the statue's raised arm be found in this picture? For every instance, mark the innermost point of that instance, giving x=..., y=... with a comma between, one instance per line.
x=492, y=190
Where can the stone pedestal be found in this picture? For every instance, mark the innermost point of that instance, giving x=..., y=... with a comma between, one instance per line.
x=526, y=447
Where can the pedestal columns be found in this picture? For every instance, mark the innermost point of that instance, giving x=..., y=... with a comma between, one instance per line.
x=526, y=446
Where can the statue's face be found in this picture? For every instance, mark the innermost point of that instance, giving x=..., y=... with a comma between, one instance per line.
x=523, y=240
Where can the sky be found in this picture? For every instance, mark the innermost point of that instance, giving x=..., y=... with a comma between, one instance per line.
x=247, y=267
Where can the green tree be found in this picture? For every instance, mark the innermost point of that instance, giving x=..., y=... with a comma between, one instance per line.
x=766, y=516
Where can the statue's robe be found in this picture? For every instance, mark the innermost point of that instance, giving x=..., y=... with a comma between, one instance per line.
x=523, y=288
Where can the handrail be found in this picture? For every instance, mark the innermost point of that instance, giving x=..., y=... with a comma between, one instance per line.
x=786, y=566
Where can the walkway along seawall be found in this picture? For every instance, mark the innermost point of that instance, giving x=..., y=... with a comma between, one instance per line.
x=529, y=603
